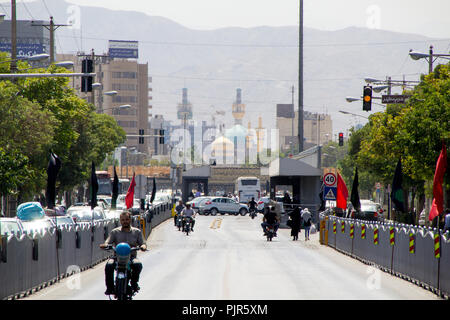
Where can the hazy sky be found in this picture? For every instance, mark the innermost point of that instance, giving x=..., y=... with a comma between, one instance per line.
x=429, y=18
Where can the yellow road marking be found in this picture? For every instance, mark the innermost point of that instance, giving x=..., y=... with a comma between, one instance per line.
x=217, y=221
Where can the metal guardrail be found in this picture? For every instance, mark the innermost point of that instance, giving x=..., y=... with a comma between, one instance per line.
x=418, y=254
x=30, y=262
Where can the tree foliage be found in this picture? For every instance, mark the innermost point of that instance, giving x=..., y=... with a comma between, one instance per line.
x=43, y=114
x=413, y=131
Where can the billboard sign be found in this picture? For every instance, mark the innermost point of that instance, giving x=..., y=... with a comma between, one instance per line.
x=24, y=50
x=123, y=49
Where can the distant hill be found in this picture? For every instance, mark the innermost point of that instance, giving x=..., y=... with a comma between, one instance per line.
x=262, y=61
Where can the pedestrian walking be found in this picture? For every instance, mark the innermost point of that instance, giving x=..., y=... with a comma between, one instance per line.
x=306, y=217
x=295, y=224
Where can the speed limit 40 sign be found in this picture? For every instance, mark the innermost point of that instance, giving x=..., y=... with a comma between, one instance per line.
x=330, y=180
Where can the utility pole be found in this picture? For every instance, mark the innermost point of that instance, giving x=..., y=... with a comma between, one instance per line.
x=96, y=59
x=51, y=27
x=430, y=61
x=13, y=65
x=93, y=71
x=293, y=117
x=300, y=79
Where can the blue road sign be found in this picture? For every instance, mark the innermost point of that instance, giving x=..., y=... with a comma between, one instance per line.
x=330, y=193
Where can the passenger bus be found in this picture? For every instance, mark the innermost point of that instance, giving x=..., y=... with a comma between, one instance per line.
x=104, y=183
x=248, y=188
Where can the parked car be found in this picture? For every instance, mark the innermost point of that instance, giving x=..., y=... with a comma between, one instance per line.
x=264, y=200
x=113, y=214
x=37, y=225
x=200, y=205
x=62, y=220
x=196, y=202
x=84, y=214
x=10, y=226
x=369, y=211
x=106, y=200
x=224, y=205
x=422, y=218
x=261, y=203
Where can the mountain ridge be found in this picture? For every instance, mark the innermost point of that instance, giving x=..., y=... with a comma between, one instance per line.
x=262, y=61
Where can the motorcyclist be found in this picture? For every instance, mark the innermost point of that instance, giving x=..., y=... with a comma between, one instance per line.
x=252, y=204
x=270, y=218
x=132, y=236
x=178, y=210
x=188, y=212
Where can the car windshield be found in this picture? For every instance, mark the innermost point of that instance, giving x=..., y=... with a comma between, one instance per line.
x=85, y=214
x=204, y=200
x=64, y=220
x=36, y=224
x=9, y=227
x=369, y=207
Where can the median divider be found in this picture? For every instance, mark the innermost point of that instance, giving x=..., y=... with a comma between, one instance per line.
x=30, y=262
x=420, y=255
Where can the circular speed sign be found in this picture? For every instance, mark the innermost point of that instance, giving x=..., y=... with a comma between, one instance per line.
x=330, y=179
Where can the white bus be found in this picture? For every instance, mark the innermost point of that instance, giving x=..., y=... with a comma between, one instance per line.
x=248, y=188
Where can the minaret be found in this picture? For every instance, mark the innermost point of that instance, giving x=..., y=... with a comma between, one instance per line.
x=184, y=113
x=259, y=135
x=238, y=108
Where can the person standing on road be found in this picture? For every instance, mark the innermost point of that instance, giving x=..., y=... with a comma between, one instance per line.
x=306, y=217
x=296, y=219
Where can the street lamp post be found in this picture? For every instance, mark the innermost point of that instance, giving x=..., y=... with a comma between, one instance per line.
x=429, y=57
x=354, y=114
x=388, y=84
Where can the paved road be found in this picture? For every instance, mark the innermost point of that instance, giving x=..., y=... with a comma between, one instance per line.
x=228, y=258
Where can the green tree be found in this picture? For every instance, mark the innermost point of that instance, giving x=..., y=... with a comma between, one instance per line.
x=42, y=114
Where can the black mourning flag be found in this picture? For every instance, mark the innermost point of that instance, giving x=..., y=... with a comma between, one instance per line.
x=54, y=165
x=115, y=190
x=154, y=190
x=94, y=187
x=354, y=197
x=397, y=190
x=322, y=200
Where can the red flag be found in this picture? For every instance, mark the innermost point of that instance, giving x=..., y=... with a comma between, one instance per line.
x=129, y=198
x=438, y=194
x=342, y=193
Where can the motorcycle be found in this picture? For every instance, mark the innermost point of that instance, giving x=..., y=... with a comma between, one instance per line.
x=123, y=271
x=187, y=225
x=179, y=222
x=252, y=213
x=270, y=232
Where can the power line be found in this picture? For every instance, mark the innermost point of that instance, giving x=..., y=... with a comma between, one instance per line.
x=43, y=1
x=5, y=11
x=240, y=45
x=26, y=8
x=264, y=80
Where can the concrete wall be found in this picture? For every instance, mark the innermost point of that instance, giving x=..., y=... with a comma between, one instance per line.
x=31, y=261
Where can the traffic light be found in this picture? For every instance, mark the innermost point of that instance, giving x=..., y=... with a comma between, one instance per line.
x=341, y=139
x=161, y=138
x=367, y=98
x=141, y=139
x=87, y=66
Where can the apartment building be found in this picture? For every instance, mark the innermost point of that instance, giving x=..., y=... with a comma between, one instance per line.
x=317, y=128
x=121, y=89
